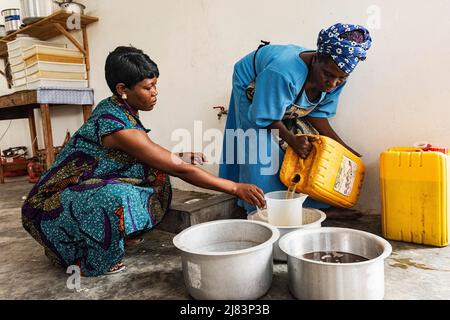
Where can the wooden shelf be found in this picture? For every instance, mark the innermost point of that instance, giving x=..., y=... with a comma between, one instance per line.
x=44, y=29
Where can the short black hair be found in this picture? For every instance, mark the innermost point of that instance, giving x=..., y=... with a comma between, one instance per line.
x=128, y=65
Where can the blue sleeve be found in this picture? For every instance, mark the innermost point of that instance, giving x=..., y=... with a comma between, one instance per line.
x=273, y=94
x=327, y=108
x=108, y=123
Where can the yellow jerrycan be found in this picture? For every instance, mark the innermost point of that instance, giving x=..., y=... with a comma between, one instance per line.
x=331, y=173
x=414, y=187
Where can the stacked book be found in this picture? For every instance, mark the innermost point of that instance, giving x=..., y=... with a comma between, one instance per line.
x=36, y=63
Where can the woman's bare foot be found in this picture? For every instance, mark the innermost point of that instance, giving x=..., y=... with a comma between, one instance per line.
x=116, y=268
x=341, y=213
x=133, y=241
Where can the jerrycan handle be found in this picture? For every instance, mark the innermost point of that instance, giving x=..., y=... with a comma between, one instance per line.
x=296, y=178
x=405, y=149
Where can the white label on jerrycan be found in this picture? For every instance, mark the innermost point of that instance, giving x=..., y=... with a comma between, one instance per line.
x=346, y=176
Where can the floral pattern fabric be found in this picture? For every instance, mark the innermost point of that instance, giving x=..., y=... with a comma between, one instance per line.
x=92, y=197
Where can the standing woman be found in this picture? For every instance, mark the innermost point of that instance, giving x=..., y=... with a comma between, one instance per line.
x=110, y=182
x=293, y=90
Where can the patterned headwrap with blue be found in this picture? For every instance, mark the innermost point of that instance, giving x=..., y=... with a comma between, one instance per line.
x=347, y=44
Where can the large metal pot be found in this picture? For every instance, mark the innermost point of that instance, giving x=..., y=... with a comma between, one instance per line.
x=227, y=259
x=72, y=7
x=318, y=280
x=312, y=218
x=34, y=10
x=12, y=19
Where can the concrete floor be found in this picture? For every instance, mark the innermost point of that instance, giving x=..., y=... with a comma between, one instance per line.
x=154, y=267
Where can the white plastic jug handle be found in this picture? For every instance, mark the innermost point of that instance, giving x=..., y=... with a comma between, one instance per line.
x=262, y=213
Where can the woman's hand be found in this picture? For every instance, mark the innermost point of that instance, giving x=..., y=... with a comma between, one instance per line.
x=251, y=194
x=193, y=157
x=301, y=144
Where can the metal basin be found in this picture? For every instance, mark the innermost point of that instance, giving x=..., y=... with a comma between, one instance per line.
x=312, y=218
x=227, y=259
x=318, y=280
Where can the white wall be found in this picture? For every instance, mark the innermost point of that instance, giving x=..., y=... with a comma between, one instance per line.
x=396, y=97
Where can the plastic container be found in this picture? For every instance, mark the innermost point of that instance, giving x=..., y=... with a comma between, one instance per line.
x=52, y=58
x=312, y=218
x=20, y=81
x=18, y=67
x=19, y=74
x=414, y=195
x=52, y=50
x=331, y=173
x=284, y=209
x=20, y=88
x=26, y=42
x=55, y=67
x=15, y=60
x=60, y=83
x=57, y=75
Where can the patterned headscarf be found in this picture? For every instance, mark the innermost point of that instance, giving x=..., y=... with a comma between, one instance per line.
x=347, y=44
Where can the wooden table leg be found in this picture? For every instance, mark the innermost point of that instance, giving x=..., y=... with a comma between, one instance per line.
x=87, y=111
x=33, y=134
x=48, y=137
x=2, y=177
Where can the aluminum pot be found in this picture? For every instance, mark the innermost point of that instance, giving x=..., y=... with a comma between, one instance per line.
x=227, y=259
x=318, y=280
x=72, y=7
x=12, y=19
x=34, y=10
x=2, y=31
x=312, y=218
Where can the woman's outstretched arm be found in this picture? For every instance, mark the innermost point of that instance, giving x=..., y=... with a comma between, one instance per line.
x=138, y=144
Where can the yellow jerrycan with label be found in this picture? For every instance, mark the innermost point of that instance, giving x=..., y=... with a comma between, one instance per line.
x=331, y=173
x=414, y=187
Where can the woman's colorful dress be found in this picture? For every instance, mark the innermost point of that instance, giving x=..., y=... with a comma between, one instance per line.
x=92, y=197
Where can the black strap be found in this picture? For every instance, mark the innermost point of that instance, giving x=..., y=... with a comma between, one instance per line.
x=263, y=44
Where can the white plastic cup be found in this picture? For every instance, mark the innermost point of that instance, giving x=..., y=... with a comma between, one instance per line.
x=282, y=212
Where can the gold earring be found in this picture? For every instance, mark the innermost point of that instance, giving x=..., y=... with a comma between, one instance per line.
x=124, y=96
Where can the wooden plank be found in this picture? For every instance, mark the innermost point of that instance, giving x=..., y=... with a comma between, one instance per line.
x=20, y=98
x=86, y=48
x=2, y=177
x=33, y=133
x=48, y=136
x=70, y=37
x=87, y=111
x=44, y=29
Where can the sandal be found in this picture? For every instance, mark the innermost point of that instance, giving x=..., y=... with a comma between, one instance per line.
x=116, y=268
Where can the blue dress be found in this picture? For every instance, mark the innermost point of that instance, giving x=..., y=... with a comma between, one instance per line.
x=281, y=74
x=92, y=197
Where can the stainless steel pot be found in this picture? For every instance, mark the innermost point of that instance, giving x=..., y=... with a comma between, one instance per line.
x=312, y=218
x=34, y=10
x=227, y=259
x=72, y=7
x=12, y=19
x=318, y=280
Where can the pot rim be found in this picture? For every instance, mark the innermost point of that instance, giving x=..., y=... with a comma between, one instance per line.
x=386, y=245
x=322, y=218
x=275, y=236
x=1, y=12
